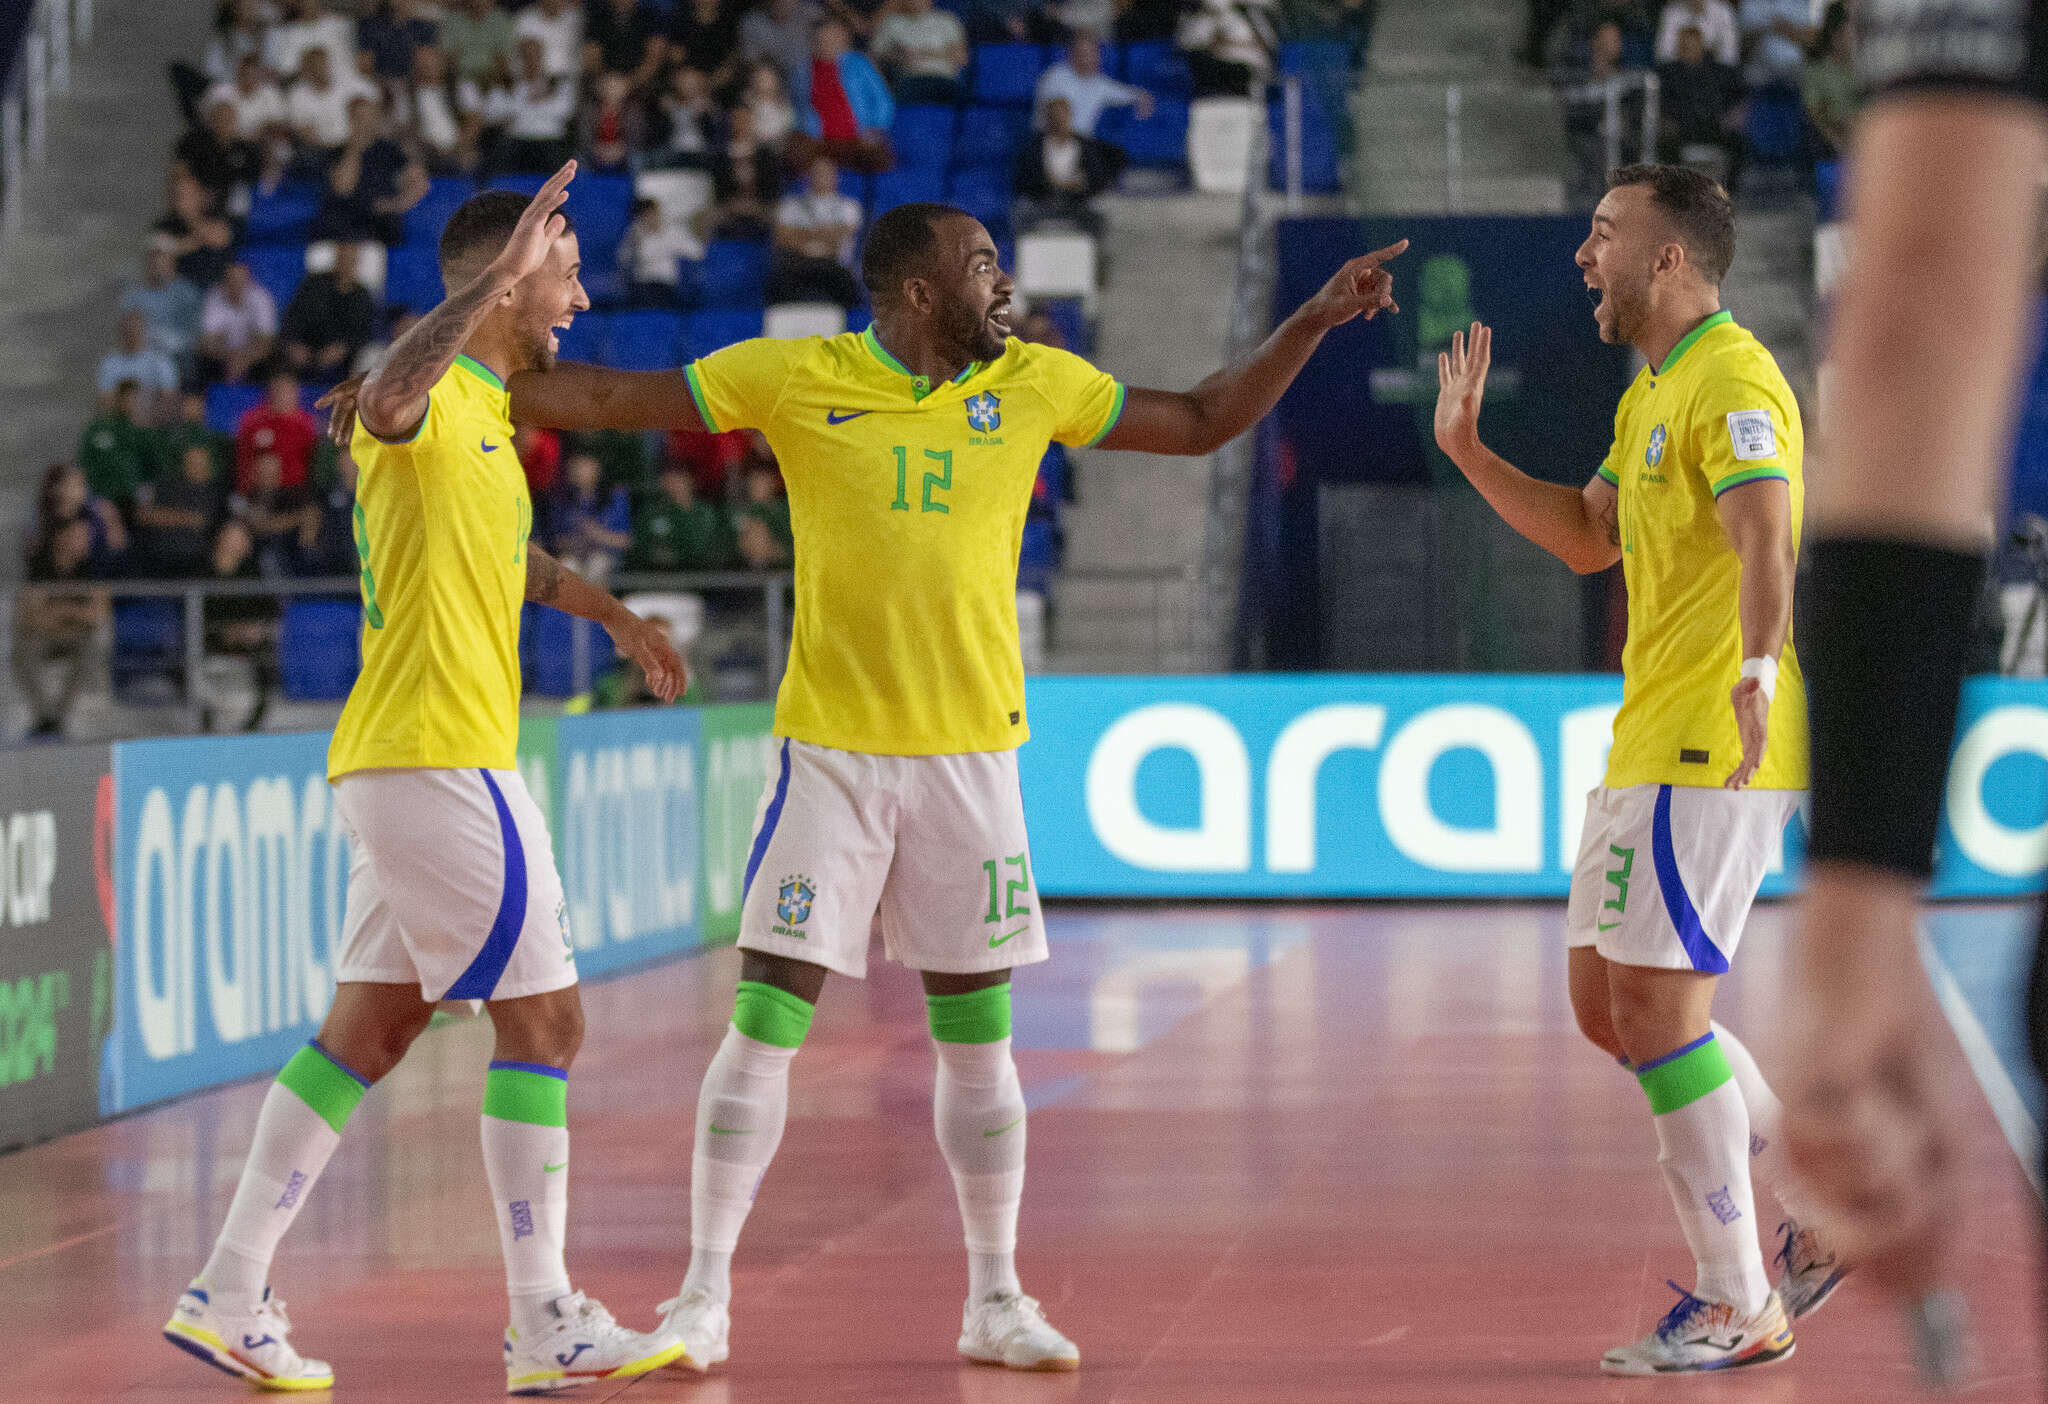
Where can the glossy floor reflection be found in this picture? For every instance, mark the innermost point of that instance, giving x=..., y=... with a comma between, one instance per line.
x=1277, y=1154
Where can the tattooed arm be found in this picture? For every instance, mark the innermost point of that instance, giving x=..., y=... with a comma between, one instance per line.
x=393, y=401
x=645, y=641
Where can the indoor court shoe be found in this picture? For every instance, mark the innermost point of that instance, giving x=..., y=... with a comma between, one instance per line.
x=1009, y=1328
x=249, y=1342
x=582, y=1343
x=1812, y=1271
x=701, y=1323
x=1699, y=1335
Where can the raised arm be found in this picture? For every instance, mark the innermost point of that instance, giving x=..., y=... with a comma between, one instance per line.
x=549, y=582
x=577, y=396
x=1233, y=399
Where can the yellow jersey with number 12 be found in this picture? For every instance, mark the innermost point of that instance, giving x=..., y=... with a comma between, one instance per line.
x=1717, y=415
x=441, y=520
x=907, y=502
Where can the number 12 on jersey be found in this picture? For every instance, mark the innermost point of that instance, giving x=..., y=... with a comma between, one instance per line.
x=942, y=480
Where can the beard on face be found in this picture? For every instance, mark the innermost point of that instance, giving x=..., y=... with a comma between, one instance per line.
x=1624, y=314
x=534, y=351
x=968, y=328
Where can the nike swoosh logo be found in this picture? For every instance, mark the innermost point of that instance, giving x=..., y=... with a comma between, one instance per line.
x=492, y=448
x=718, y=1130
x=995, y=941
x=841, y=416
x=1001, y=1129
x=1609, y=925
x=547, y=1169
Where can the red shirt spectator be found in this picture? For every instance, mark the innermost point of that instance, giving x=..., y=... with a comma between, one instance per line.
x=713, y=460
x=277, y=426
x=540, y=454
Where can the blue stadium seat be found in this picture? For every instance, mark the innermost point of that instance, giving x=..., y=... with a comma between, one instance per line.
x=226, y=404
x=855, y=185
x=1159, y=67
x=1007, y=73
x=1827, y=190
x=319, y=649
x=1160, y=140
x=982, y=191
x=923, y=137
x=284, y=214
x=713, y=327
x=905, y=185
x=278, y=267
x=547, y=651
x=990, y=136
x=1072, y=319
x=1112, y=60
x=646, y=338
x=1776, y=125
x=525, y=182
x=734, y=273
x=585, y=338
x=1319, y=162
x=423, y=221
x=149, y=641
x=412, y=277
x=602, y=206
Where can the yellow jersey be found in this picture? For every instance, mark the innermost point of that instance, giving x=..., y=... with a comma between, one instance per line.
x=441, y=519
x=1716, y=415
x=907, y=502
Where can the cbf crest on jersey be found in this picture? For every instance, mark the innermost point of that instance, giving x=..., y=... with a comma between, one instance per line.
x=1655, y=453
x=985, y=412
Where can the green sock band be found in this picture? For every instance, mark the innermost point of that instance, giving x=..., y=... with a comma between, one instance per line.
x=323, y=1084
x=1680, y=1078
x=530, y=1092
x=979, y=1016
x=769, y=1015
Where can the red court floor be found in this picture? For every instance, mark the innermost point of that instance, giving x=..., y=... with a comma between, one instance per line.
x=1277, y=1154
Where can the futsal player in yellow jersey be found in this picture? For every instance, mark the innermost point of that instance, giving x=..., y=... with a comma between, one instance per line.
x=1699, y=499
x=909, y=449
x=452, y=885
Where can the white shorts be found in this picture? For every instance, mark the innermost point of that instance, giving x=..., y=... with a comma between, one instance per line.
x=935, y=843
x=451, y=882
x=1667, y=873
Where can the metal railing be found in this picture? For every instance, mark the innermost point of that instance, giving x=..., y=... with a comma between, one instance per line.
x=1180, y=603
x=1610, y=92
x=39, y=72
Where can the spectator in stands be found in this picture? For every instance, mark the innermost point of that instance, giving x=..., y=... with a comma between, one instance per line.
x=66, y=496
x=815, y=230
x=326, y=543
x=678, y=532
x=923, y=49
x=261, y=114
x=392, y=34
x=134, y=361
x=318, y=107
x=1634, y=19
x=57, y=628
x=200, y=236
x=275, y=515
x=238, y=34
x=613, y=126
x=308, y=26
x=557, y=25
x=706, y=35
x=168, y=305
x=543, y=105
x=1828, y=86
x=240, y=626
x=780, y=32
x=371, y=184
x=1231, y=46
x=715, y=462
x=116, y=449
x=175, y=517
x=440, y=117
x=650, y=254
x=843, y=106
x=1088, y=90
x=331, y=318
x=766, y=542
x=278, y=426
x=189, y=427
x=685, y=122
x=625, y=37
x=1775, y=36
x=1005, y=21
x=540, y=457
x=1585, y=119
x=237, y=327
x=590, y=525
x=767, y=98
x=1060, y=172
x=1698, y=96
x=478, y=37
x=1544, y=16
x=1714, y=19
x=219, y=157
x=746, y=180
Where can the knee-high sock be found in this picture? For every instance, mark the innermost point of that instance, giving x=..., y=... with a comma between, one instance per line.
x=740, y=1115
x=978, y=1112
x=296, y=1132
x=1703, y=1150
x=1768, y=1163
x=526, y=1158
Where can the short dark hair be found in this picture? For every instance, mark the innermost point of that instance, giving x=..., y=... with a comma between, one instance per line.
x=1697, y=207
x=900, y=244
x=480, y=228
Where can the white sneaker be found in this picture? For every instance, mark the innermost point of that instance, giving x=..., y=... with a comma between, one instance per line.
x=1700, y=1335
x=703, y=1326
x=1009, y=1328
x=582, y=1343
x=1812, y=1271
x=249, y=1342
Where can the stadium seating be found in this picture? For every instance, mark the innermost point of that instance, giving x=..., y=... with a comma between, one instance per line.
x=319, y=649
x=734, y=273
x=1158, y=141
x=1775, y=126
x=547, y=651
x=1219, y=143
x=647, y=338
x=444, y=195
x=149, y=642
x=984, y=192
x=585, y=338
x=1007, y=73
x=854, y=185
x=1159, y=67
x=793, y=319
x=923, y=137
x=1320, y=172
x=371, y=262
x=412, y=277
x=990, y=135
x=1056, y=263
x=904, y=185
x=226, y=404
x=707, y=330
x=278, y=267
x=285, y=214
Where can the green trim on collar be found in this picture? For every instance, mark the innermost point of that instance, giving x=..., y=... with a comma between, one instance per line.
x=1685, y=345
x=480, y=371
x=920, y=386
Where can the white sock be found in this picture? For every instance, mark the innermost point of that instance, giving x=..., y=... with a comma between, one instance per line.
x=1703, y=1150
x=978, y=1111
x=527, y=1164
x=290, y=1149
x=1768, y=1163
x=740, y=1115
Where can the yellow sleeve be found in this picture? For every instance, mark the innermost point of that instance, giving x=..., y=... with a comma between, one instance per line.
x=1610, y=466
x=1086, y=402
x=737, y=388
x=1742, y=432
x=420, y=439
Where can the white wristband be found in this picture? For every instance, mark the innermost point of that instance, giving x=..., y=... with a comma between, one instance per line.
x=1765, y=671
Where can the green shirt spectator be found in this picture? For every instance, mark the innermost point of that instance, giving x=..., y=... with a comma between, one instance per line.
x=765, y=538
x=118, y=454
x=677, y=532
x=476, y=34
x=187, y=430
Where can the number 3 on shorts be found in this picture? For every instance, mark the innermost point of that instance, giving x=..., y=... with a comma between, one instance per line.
x=1006, y=891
